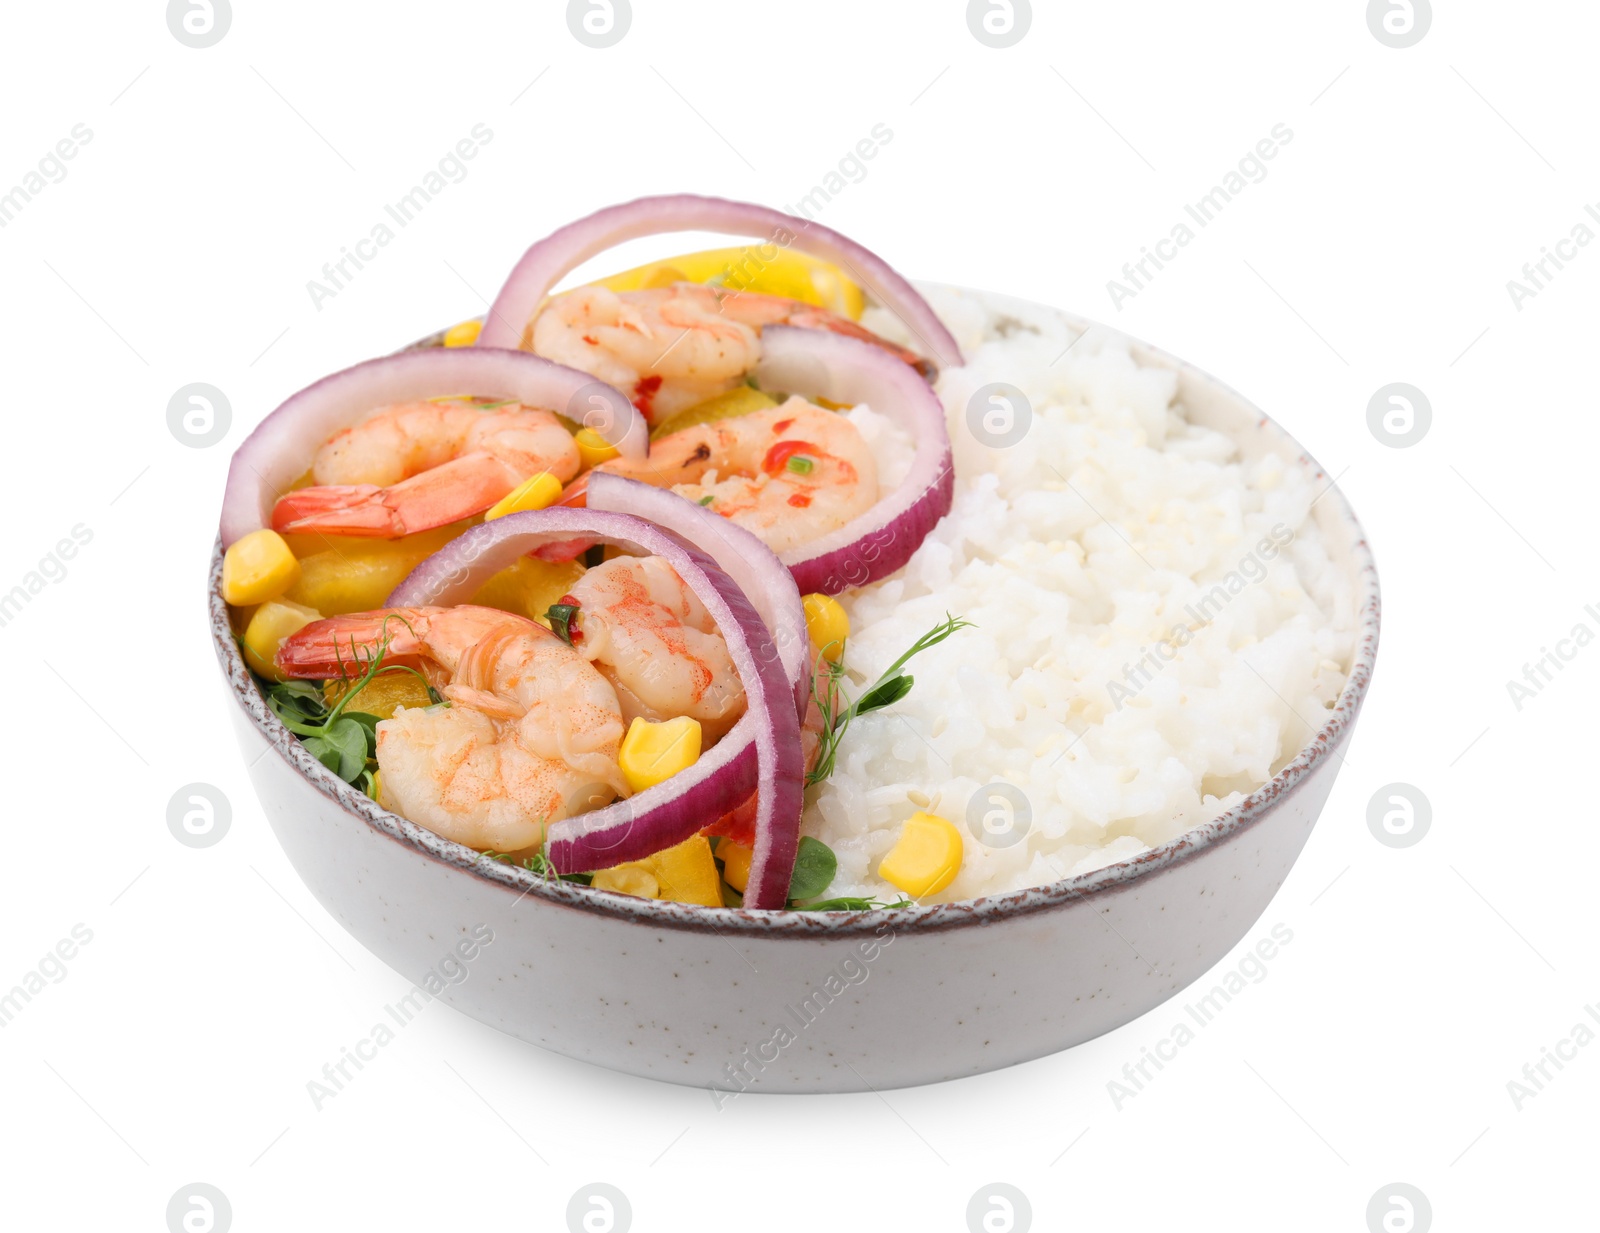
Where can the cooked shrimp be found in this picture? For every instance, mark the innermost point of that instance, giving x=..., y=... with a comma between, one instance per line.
x=669, y=348
x=651, y=637
x=531, y=736
x=789, y=474
x=418, y=465
x=673, y=347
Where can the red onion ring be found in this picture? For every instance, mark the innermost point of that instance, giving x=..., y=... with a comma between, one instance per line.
x=763, y=748
x=754, y=567
x=814, y=363
x=279, y=450
x=551, y=259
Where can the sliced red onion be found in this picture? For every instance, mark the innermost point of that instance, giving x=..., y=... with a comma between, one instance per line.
x=281, y=448
x=761, y=750
x=754, y=567
x=551, y=259
x=817, y=364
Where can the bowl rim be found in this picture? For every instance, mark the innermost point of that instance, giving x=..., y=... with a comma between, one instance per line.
x=918, y=918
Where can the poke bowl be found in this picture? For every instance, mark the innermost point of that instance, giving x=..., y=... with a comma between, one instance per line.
x=1141, y=624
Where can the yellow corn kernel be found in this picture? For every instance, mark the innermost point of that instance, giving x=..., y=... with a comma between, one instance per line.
x=593, y=449
x=828, y=624
x=258, y=567
x=463, y=335
x=926, y=857
x=381, y=695
x=274, y=621
x=741, y=400
x=631, y=879
x=735, y=864
x=529, y=586
x=761, y=268
x=536, y=493
x=686, y=872
x=653, y=752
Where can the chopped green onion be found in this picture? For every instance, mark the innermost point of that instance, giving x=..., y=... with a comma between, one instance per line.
x=801, y=465
x=560, y=618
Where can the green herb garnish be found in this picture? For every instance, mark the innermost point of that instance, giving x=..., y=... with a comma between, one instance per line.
x=539, y=865
x=850, y=903
x=814, y=867
x=560, y=618
x=707, y=499
x=888, y=689
x=801, y=465
x=343, y=740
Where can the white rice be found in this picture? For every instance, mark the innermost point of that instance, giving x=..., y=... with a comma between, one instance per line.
x=1100, y=536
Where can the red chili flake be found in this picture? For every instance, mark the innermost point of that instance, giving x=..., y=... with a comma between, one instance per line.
x=782, y=426
x=778, y=456
x=591, y=340
x=644, y=392
x=799, y=500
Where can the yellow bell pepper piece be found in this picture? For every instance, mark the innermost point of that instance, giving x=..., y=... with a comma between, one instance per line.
x=653, y=752
x=686, y=873
x=593, y=449
x=341, y=574
x=776, y=271
x=274, y=621
x=381, y=695
x=629, y=879
x=926, y=857
x=735, y=864
x=463, y=335
x=536, y=493
x=258, y=567
x=530, y=586
x=828, y=624
x=741, y=400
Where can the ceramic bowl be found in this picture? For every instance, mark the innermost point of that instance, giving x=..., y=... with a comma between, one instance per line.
x=804, y=1002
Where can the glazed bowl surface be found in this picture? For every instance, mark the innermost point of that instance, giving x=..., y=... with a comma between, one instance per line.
x=731, y=1000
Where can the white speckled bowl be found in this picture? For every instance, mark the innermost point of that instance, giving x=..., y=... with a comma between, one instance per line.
x=796, y=1001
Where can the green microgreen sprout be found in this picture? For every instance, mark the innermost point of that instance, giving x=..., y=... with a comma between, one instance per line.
x=343, y=740
x=888, y=689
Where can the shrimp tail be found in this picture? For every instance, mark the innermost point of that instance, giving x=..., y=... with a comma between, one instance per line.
x=435, y=498
x=342, y=509
x=342, y=645
x=576, y=494
x=821, y=319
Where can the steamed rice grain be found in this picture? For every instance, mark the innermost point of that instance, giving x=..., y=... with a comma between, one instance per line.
x=1158, y=628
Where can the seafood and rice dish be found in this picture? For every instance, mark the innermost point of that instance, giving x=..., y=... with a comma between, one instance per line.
x=755, y=579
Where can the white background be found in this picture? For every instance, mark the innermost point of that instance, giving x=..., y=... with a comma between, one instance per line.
x=178, y=249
